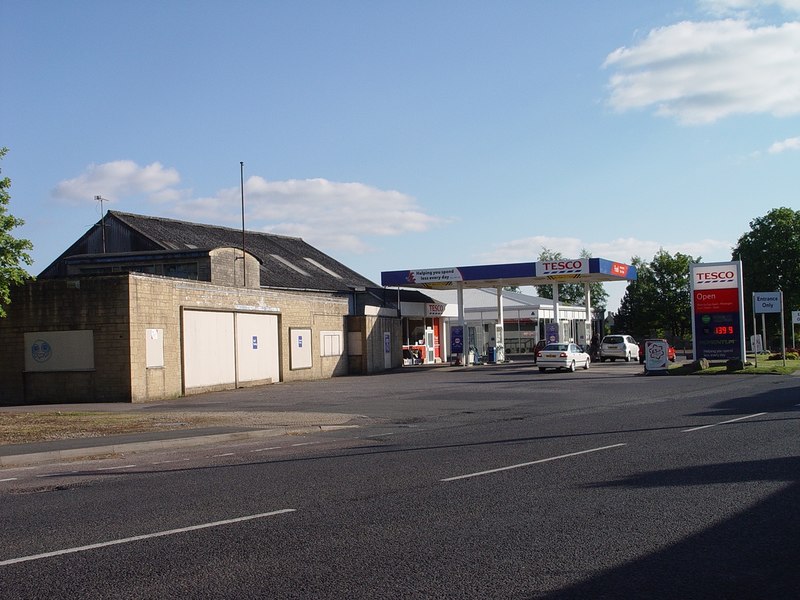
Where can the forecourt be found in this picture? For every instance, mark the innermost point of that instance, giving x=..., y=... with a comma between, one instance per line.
x=554, y=272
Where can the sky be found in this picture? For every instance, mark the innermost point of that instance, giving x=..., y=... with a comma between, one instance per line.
x=407, y=134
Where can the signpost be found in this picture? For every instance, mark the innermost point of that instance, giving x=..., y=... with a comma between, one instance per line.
x=772, y=303
x=717, y=311
x=795, y=321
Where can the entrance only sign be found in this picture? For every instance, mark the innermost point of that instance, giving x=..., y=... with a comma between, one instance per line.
x=767, y=302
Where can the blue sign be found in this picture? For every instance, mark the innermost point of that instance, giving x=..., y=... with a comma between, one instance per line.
x=41, y=351
x=457, y=340
x=255, y=342
x=551, y=333
x=299, y=341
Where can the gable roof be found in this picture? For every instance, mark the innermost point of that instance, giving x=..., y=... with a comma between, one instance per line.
x=286, y=262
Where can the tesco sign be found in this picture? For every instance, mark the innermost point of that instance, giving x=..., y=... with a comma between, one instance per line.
x=711, y=277
x=562, y=266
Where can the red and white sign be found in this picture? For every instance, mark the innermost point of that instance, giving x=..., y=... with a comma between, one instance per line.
x=716, y=300
x=719, y=276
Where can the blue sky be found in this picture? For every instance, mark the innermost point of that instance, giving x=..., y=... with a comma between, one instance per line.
x=413, y=134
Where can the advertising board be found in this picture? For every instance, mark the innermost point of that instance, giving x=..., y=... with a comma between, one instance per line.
x=717, y=310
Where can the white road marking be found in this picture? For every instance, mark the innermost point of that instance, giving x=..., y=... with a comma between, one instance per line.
x=9, y=479
x=218, y=455
x=265, y=449
x=535, y=462
x=304, y=444
x=115, y=468
x=147, y=536
x=723, y=422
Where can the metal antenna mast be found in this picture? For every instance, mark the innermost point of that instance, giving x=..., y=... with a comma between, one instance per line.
x=244, y=259
x=102, y=221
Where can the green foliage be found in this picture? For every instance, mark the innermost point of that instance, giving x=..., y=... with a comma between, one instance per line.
x=658, y=302
x=573, y=293
x=770, y=255
x=13, y=251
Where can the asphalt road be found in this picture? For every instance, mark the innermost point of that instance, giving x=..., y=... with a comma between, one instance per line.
x=490, y=483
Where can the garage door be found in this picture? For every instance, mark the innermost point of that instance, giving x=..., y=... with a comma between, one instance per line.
x=223, y=349
x=208, y=349
x=257, y=345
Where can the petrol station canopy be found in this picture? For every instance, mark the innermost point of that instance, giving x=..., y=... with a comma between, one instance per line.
x=579, y=270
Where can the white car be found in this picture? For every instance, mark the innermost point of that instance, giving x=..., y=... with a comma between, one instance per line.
x=562, y=356
x=619, y=346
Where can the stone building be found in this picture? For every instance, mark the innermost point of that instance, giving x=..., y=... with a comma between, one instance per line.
x=143, y=308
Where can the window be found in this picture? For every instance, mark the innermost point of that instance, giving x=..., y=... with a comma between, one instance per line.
x=330, y=343
x=181, y=270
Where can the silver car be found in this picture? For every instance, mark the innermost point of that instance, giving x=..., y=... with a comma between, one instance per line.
x=619, y=346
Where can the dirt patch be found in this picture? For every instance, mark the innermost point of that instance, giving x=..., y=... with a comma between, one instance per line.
x=27, y=427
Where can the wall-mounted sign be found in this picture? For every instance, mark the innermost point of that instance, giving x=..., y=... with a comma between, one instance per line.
x=434, y=310
x=59, y=350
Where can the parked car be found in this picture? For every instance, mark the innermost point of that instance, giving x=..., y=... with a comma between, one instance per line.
x=562, y=356
x=670, y=353
x=618, y=346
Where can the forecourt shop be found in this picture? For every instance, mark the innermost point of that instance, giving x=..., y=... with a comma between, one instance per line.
x=579, y=270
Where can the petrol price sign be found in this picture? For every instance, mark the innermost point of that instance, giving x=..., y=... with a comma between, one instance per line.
x=717, y=310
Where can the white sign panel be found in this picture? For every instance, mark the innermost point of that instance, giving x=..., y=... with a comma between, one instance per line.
x=435, y=275
x=434, y=310
x=59, y=350
x=656, y=355
x=562, y=269
x=300, y=350
x=767, y=302
x=715, y=276
x=796, y=317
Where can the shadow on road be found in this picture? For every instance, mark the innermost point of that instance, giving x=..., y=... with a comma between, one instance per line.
x=756, y=554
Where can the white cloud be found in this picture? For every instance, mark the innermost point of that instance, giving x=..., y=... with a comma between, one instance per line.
x=325, y=213
x=117, y=179
x=329, y=213
x=787, y=144
x=699, y=72
x=620, y=249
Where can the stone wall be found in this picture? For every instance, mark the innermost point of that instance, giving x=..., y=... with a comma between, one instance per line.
x=120, y=309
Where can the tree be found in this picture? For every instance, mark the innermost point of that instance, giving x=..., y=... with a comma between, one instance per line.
x=658, y=302
x=573, y=293
x=770, y=255
x=12, y=251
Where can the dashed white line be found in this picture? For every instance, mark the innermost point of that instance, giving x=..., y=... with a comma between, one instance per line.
x=136, y=538
x=534, y=462
x=219, y=455
x=114, y=468
x=9, y=479
x=723, y=422
x=304, y=444
x=265, y=449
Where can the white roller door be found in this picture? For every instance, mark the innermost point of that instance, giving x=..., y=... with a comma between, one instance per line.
x=257, y=347
x=208, y=349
